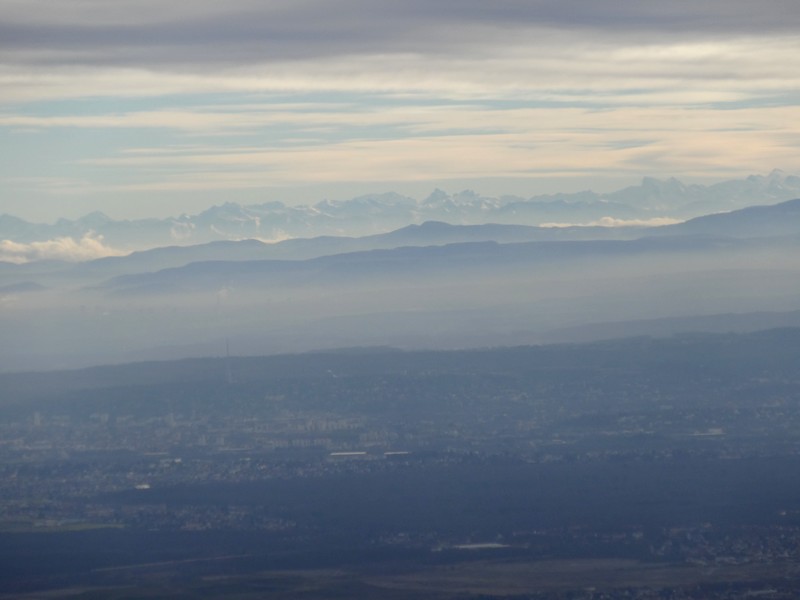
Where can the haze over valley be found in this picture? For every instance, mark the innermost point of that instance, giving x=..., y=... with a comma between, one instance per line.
x=431, y=285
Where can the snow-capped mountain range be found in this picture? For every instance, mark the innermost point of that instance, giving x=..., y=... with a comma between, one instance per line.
x=652, y=201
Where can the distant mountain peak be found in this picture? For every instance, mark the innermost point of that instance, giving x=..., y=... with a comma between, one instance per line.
x=376, y=213
x=436, y=196
x=95, y=217
x=431, y=226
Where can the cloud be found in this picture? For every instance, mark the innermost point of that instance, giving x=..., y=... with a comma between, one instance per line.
x=89, y=247
x=458, y=141
x=612, y=222
x=571, y=68
x=88, y=47
x=139, y=96
x=238, y=32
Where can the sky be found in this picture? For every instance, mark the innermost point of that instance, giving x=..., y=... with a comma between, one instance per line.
x=141, y=108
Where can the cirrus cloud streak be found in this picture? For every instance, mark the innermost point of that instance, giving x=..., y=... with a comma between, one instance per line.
x=132, y=95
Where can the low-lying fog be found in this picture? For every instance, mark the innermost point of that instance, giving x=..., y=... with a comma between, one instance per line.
x=445, y=297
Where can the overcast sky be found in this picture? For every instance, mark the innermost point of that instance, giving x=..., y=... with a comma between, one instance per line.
x=144, y=108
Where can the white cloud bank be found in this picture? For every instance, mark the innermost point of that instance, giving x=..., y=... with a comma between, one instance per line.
x=612, y=222
x=89, y=247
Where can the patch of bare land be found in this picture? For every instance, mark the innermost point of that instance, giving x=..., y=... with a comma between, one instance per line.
x=472, y=579
x=522, y=578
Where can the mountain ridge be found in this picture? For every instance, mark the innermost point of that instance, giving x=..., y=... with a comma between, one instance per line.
x=707, y=231
x=379, y=213
x=410, y=294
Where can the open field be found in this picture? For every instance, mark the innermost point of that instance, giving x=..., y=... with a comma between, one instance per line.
x=468, y=579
